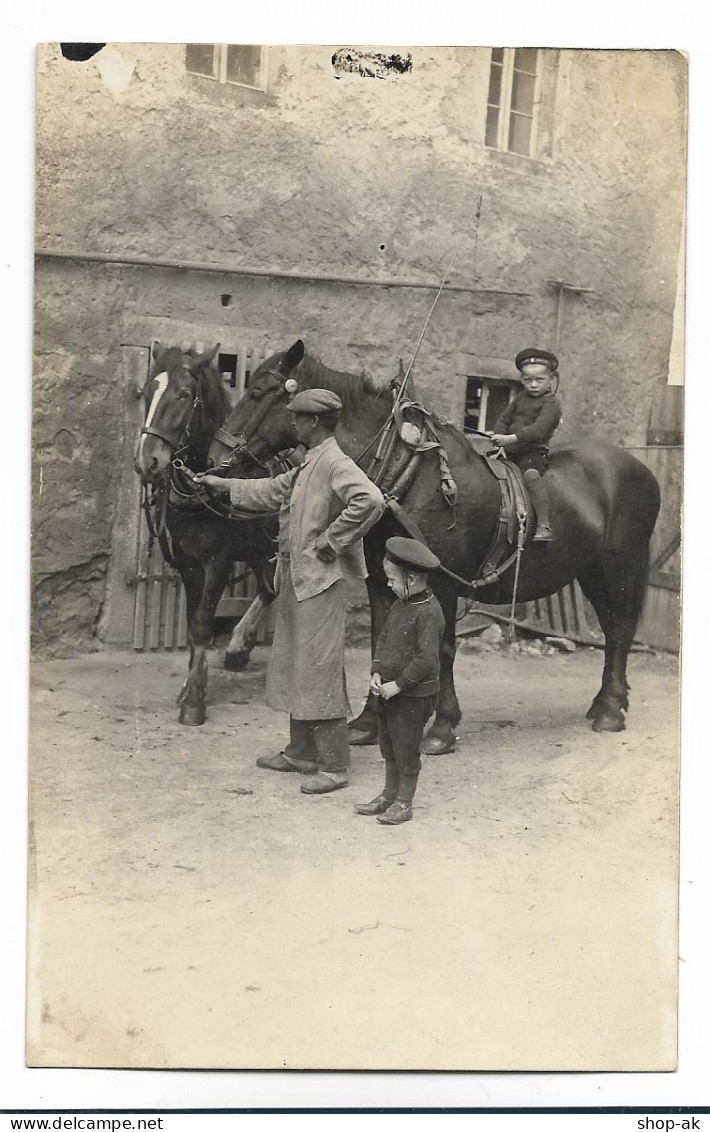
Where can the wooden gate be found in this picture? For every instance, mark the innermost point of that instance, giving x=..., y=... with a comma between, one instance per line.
x=159, y=609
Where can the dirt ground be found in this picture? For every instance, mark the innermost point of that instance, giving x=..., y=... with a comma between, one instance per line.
x=190, y=910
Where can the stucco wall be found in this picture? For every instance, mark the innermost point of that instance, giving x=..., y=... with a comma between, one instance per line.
x=356, y=176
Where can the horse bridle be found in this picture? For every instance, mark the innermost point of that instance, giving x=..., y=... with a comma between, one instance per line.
x=178, y=445
x=239, y=445
x=157, y=526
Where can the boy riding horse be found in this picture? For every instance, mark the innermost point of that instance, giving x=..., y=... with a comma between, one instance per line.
x=526, y=425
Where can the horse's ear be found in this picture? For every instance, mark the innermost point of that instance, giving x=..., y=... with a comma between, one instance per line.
x=293, y=356
x=207, y=357
x=157, y=349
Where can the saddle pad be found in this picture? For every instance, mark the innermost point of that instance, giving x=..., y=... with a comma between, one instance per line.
x=515, y=506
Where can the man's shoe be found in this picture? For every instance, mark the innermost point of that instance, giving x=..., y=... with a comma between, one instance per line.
x=397, y=813
x=279, y=762
x=543, y=533
x=321, y=783
x=378, y=805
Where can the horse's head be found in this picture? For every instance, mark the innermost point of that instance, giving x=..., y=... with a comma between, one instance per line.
x=259, y=426
x=175, y=396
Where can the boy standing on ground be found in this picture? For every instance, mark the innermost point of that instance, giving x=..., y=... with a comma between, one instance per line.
x=405, y=676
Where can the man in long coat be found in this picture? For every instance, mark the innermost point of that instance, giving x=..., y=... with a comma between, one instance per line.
x=325, y=506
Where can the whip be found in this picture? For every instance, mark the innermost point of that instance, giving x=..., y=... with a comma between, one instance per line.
x=455, y=253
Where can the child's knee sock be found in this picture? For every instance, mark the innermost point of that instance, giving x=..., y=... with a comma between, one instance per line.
x=538, y=495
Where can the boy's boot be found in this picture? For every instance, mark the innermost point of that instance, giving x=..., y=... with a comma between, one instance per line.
x=538, y=495
x=384, y=800
x=401, y=809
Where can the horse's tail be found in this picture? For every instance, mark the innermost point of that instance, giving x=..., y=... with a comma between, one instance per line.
x=638, y=586
x=626, y=557
x=647, y=516
x=640, y=527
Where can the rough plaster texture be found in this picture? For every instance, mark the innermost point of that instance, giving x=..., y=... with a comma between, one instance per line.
x=363, y=177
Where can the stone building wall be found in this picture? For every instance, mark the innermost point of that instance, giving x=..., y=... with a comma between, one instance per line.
x=357, y=177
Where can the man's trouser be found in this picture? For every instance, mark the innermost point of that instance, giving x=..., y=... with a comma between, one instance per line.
x=320, y=741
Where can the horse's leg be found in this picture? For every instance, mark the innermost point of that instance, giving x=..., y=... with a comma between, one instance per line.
x=441, y=736
x=243, y=638
x=363, y=730
x=201, y=629
x=626, y=576
x=617, y=593
x=193, y=580
x=594, y=588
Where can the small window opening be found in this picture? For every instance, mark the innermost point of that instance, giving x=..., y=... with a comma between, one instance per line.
x=485, y=401
x=228, y=369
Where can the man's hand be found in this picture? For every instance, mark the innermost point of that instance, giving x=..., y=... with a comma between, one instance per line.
x=503, y=439
x=216, y=484
x=324, y=550
x=389, y=690
x=375, y=683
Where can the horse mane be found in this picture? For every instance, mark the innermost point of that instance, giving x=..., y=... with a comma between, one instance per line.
x=214, y=394
x=212, y=388
x=350, y=387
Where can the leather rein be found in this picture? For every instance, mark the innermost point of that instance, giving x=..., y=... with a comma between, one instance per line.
x=157, y=525
x=180, y=478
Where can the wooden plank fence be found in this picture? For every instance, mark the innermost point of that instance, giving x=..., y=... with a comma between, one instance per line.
x=660, y=623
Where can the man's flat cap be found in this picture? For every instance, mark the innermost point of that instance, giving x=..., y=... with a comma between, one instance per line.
x=411, y=553
x=537, y=357
x=315, y=401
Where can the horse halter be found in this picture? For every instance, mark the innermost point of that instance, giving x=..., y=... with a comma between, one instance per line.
x=239, y=445
x=177, y=444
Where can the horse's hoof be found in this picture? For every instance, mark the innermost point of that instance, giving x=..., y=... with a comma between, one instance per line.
x=595, y=710
x=438, y=745
x=609, y=720
x=192, y=716
x=357, y=738
x=236, y=661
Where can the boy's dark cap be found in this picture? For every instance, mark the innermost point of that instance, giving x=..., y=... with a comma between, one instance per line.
x=411, y=553
x=537, y=357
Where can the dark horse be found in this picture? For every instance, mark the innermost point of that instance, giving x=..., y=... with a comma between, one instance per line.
x=603, y=506
x=185, y=403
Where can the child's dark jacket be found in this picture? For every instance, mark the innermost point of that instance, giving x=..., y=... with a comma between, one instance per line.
x=532, y=419
x=408, y=648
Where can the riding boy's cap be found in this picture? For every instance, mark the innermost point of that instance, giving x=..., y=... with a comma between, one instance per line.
x=315, y=401
x=411, y=553
x=537, y=357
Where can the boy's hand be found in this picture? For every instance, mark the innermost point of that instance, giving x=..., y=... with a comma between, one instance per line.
x=502, y=438
x=389, y=690
x=375, y=683
x=216, y=484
